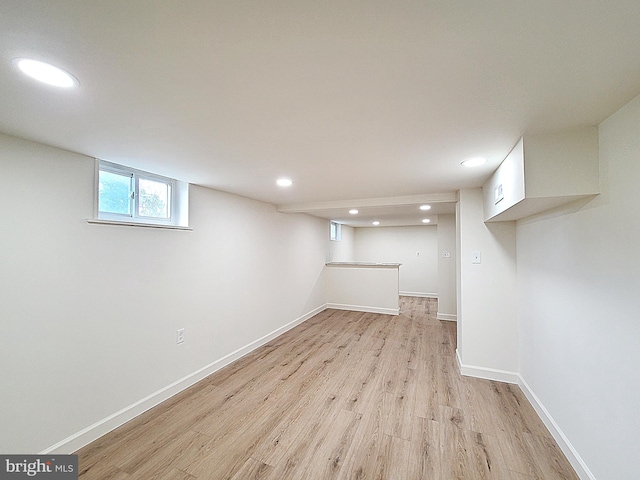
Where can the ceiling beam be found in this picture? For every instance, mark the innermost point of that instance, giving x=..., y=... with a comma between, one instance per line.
x=430, y=198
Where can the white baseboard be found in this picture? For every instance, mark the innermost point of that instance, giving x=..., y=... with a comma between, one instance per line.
x=450, y=317
x=100, y=428
x=511, y=377
x=360, y=308
x=486, y=373
x=563, y=442
x=419, y=294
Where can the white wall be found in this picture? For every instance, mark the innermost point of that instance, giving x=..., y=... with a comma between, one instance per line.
x=418, y=274
x=579, y=304
x=363, y=288
x=510, y=175
x=542, y=172
x=342, y=250
x=89, y=312
x=487, y=323
x=447, y=303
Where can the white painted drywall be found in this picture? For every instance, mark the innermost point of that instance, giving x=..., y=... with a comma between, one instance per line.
x=542, y=172
x=89, y=313
x=510, y=175
x=578, y=285
x=447, y=303
x=342, y=250
x=561, y=163
x=418, y=273
x=363, y=288
x=487, y=323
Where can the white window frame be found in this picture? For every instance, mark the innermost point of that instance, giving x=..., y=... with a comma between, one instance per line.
x=172, y=188
x=335, y=231
x=178, y=203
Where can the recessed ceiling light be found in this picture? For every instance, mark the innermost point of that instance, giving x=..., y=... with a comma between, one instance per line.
x=426, y=220
x=284, y=182
x=46, y=73
x=425, y=207
x=353, y=211
x=474, y=162
x=376, y=223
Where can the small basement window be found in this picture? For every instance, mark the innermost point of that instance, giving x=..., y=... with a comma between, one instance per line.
x=130, y=196
x=335, y=231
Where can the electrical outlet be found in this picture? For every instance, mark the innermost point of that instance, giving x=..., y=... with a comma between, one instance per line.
x=446, y=254
x=180, y=335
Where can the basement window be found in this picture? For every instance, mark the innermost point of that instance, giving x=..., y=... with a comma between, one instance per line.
x=128, y=196
x=335, y=231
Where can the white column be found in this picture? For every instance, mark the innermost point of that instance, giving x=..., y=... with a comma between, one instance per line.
x=487, y=322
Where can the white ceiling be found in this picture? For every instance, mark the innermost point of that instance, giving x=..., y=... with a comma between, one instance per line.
x=390, y=212
x=353, y=100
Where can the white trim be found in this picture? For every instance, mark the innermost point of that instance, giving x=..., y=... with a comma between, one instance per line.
x=419, y=294
x=137, y=224
x=113, y=421
x=563, y=442
x=450, y=317
x=511, y=377
x=486, y=373
x=363, y=265
x=360, y=308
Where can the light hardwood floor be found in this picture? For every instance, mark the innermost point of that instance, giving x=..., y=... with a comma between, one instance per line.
x=346, y=395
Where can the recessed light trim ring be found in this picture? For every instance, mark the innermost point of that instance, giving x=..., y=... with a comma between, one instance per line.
x=46, y=73
x=474, y=162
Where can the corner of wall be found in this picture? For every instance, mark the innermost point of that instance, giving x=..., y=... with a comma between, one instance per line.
x=563, y=442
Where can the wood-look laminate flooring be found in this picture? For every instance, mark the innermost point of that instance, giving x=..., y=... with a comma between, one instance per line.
x=346, y=395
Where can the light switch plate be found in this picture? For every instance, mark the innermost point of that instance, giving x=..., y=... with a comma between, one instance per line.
x=476, y=257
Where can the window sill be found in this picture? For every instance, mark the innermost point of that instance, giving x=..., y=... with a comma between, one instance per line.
x=136, y=224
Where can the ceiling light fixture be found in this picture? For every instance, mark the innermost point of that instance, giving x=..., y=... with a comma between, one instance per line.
x=426, y=220
x=376, y=223
x=425, y=207
x=353, y=211
x=474, y=162
x=284, y=182
x=46, y=73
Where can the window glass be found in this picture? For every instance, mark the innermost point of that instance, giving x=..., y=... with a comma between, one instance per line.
x=115, y=192
x=128, y=195
x=154, y=198
x=335, y=231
